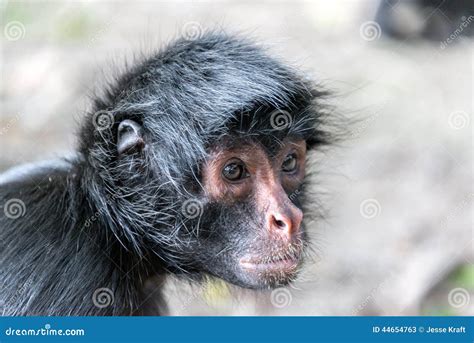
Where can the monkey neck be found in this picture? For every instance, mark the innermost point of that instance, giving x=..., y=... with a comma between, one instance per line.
x=109, y=211
x=112, y=261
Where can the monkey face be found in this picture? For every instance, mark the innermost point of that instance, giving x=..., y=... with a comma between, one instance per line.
x=251, y=230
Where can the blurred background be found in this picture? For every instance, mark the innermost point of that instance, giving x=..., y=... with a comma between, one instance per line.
x=398, y=234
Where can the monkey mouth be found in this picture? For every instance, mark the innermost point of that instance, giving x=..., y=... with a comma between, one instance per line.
x=286, y=265
x=278, y=264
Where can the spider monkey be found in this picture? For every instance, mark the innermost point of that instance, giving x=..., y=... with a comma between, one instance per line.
x=191, y=162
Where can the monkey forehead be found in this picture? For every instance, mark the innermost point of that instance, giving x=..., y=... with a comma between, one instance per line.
x=252, y=154
x=253, y=150
x=194, y=91
x=206, y=81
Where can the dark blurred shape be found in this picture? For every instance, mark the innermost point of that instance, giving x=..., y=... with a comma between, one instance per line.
x=435, y=20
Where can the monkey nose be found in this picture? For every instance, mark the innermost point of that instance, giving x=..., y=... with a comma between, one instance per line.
x=285, y=222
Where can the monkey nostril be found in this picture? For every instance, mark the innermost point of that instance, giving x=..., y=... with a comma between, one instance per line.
x=280, y=223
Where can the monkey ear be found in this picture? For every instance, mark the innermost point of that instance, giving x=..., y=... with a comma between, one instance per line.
x=129, y=137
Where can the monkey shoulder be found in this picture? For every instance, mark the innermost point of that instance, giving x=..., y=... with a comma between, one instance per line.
x=34, y=171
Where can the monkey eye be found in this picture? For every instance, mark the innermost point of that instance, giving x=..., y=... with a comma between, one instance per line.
x=289, y=163
x=235, y=171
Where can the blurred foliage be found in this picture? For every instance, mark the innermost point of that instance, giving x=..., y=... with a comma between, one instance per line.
x=73, y=26
x=216, y=292
x=438, y=310
x=464, y=277
x=61, y=23
x=437, y=303
x=24, y=12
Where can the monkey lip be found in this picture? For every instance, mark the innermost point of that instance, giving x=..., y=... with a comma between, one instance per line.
x=256, y=264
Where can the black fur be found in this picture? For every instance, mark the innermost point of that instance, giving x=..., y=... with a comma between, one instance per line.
x=105, y=220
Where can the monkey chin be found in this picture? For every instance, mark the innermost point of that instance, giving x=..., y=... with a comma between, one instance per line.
x=267, y=273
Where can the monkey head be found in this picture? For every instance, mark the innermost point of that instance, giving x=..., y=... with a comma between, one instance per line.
x=203, y=165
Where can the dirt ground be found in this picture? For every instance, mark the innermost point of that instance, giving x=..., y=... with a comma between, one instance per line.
x=397, y=238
